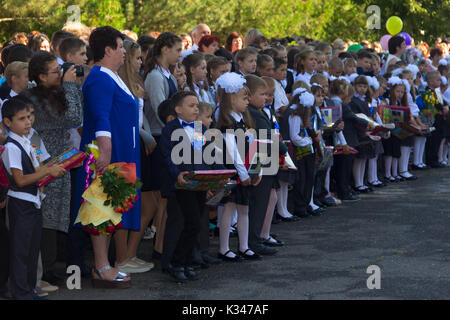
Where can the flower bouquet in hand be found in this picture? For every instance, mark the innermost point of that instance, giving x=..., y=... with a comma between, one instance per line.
x=108, y=196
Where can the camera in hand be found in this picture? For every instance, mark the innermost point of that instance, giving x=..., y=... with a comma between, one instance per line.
x=79, y=69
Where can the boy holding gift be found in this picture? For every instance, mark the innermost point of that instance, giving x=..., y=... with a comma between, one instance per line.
x=24, y=205
x=183, y=206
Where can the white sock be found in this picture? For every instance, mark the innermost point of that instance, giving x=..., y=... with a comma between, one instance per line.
x=356, y=172
x=362, y=171
x=387, y=166
x=311, y=202
x=445, y=152
x=327, y=180
x=394, y=167
x=372, y=170
x=224, y=228
x=265, y=231
x=422, y=149
x=242, y=226
x=282, y=195
x=417, y=144
x=403, y=161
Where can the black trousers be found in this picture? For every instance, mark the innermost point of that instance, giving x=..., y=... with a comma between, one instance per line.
x=258, y=202
x=320, y=191
x=4, y=252
x=182, y=227
x=342, y=172
x=202, y=243
x=76, y=237
x=434, y=141
x=25, y=225
x=305, y=180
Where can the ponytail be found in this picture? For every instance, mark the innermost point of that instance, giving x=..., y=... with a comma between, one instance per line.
x=166, y=39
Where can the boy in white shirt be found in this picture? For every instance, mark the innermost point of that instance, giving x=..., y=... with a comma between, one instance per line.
x=24, y=203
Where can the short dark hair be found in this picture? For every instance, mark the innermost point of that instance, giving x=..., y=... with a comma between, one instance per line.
x=146, y=42
x=270, y=52
x=277, y=62
x=177, y=98
x=103, y=37
x=70, y=45
x=394, y=42
x=58, y=37
x=166, y=109
x=435, y=52
x=364, y=54
x=13, y=106
x=16, y=52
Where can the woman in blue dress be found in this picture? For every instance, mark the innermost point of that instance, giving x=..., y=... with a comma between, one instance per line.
x=111, y=115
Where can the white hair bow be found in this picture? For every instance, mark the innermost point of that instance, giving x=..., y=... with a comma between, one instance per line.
x=231, y=82
x=393, y=81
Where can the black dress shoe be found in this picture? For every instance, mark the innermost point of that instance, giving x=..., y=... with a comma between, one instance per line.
x=290, y=219
x=437, y=165
x=225, y=258
x=190, y=273
x=412, y=177
x=414, y=167
x=272, y=242
x=177, y=273
x=303, y=214
x=318, y=212
x=329, y=202
x=156, y=255
x=197, y=264
x=319, y=203
x=211, y=260
x=246, y=256
x=363, y=190
x=264, y=250
x=351, y=197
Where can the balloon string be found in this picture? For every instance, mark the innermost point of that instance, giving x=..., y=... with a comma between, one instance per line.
x=88, y=170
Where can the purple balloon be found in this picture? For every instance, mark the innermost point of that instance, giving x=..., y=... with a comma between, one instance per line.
x=407, y=38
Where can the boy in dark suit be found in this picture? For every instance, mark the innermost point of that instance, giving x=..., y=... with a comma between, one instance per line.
x=259, y=214
x=183, y=206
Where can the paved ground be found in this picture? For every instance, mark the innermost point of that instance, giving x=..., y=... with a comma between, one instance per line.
x=403, y=228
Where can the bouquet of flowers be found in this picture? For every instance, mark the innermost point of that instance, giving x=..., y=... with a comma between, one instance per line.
x=108, y=196
x=413, y=55
x=427, y=102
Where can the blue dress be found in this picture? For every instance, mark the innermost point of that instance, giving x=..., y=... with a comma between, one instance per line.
x=110, y=109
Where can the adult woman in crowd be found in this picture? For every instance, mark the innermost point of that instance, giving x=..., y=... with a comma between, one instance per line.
x=209, y=44
x=234, y=42
x=58, y=107
x=39, y=42
x=111, y=115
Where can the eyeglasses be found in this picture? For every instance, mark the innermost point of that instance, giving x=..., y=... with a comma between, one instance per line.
x=57, y=71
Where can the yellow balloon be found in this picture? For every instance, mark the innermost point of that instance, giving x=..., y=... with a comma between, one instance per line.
x=394, y=25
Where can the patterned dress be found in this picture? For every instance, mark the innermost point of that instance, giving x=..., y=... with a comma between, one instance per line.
x=52, y=128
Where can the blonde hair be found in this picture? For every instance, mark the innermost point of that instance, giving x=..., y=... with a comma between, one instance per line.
x=269, y=82
x=251, y=36
x=204, y=107
x=126, y=72
x=15, y=69
x=78, y=29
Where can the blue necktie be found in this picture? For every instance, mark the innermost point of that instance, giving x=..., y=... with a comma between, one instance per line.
x=185, y=124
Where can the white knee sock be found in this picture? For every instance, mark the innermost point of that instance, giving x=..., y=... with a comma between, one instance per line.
x=265, y=231
x=311, y=202
x=445, y=152
x=394, y=167
x=372, y=170
x=356, y=172
x=387, y=166
x=403, y=161
x=242, y=226
x=224, y=227
x=327, y=180
x=362, y=170
x=282, y=195
x=417, y=144
x=423, y=142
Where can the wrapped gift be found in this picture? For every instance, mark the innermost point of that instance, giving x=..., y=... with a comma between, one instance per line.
x=204, y=180
x=69, y=159
x=331, y=117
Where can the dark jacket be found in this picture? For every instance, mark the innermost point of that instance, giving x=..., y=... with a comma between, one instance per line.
x=351, y=122
x=171, y=170
x=262, y=121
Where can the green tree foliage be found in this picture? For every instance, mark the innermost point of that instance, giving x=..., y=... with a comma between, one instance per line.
x=320, y=19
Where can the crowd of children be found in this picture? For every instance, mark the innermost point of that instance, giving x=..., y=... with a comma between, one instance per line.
x=274, y=89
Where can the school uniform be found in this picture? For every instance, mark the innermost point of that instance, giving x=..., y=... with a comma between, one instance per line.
x=343, y=163
x=183, y=206
x=259, y=195
x=305, y=163
x=305, y=76
x=239, y=194
x=5, y=97
x=160, y=85
x=366, y=147
x=25, y=218
x=289, y=81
